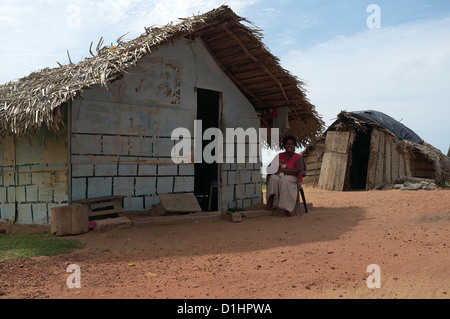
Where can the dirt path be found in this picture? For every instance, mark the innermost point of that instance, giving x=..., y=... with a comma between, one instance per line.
x=323, y=254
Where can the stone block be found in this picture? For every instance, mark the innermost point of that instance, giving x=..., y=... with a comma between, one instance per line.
x=256, y=176
x=140, y=146
x=184, y=184
x=105, y=169
x=127, y=169
x=231, y=178
x=41, y=178
x=152, y=200
x=250, y=191
x=9, y=178
x=163, y=147
x=60, y=194
x=165, y=185
x=8, y=211
x=240, y=191
x=147, y=170
x=40, y=215
x=133, y=203
x=145, y=186
x=20, y=194
x=115, y=145
x=79, y=170
x=256, y=201
x=123, y=186
x=86, y=144
x=45, y=194
x=247, y=203
x=32, y=193
x=186, y=170
x=177, y=203
x=79, y=188
x=11, y=194
x=24, y=215
x=167, y=170
x=2, y=194
x=112, y=223
x=249, y=163
x=224, y=178
x=24, y=178
x=69, y=220
x=227, y=194
x=112, y=145
x=243, y=177
x=99, y=186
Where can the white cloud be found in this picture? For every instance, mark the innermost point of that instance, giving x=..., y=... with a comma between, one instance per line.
x=37, y=33
x=402, y=71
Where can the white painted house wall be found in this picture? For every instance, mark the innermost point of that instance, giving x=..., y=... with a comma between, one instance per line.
x=121, y=135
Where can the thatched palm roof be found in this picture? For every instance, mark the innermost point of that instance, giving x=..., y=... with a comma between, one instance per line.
x=33, y=101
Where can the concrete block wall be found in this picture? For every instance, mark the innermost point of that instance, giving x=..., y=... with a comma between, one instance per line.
x=241, y=185
x=140, y=178
x=121, y=135
x=32, y=181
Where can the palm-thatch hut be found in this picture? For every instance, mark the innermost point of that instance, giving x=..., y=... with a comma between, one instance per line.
x=102, y=127
x=366, y=149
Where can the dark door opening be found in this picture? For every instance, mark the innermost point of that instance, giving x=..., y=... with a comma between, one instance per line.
x=208, y=107
x=360, y=160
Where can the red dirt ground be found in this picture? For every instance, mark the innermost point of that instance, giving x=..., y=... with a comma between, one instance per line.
x=323, y=254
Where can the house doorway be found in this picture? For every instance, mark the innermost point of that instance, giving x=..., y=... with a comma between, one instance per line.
x=206, y=175
x=360, y=160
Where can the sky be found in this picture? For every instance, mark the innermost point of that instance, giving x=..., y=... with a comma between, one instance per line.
x=390, y=56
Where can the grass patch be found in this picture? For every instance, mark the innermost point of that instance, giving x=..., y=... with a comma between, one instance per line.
x=23, y=246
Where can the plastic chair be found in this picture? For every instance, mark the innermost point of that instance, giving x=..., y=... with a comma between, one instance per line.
x=301, y=194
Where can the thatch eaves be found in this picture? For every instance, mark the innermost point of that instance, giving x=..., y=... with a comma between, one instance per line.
x=33, y=101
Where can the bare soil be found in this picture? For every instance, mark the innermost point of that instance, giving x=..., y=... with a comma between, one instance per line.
x=322, y=254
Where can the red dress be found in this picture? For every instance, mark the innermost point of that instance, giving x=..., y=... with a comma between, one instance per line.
x=291, y=162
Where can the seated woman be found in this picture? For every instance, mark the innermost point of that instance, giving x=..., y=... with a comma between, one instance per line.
x=283, y=176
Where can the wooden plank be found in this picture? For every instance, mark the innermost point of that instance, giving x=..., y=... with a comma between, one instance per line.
x=331, y=172
x=372, y=165
x=105, y=212
x=343, y=142
x=340, y=173
x=401, y=165
x=395, y=159
x=324, y=171
x=379, y=172
x=98, y=199
x=331, y=142
x=112, y=203
x=387, y=158
x=408, y=171
x=334, y=164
